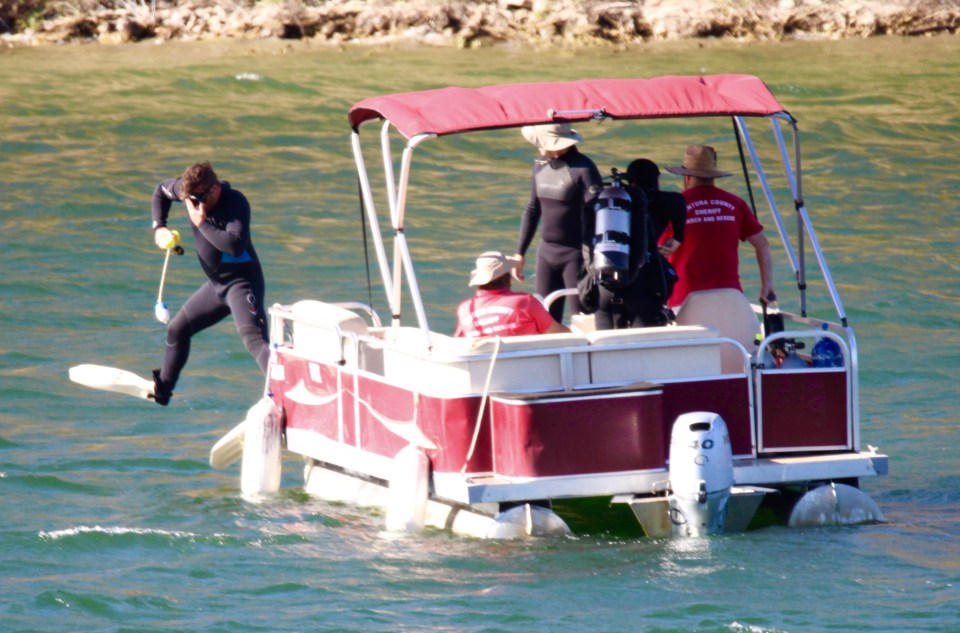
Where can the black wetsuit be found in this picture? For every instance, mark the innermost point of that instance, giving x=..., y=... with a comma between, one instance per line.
x=641, y=301
x=667, y=208
x=562, y=188
x=235, y=283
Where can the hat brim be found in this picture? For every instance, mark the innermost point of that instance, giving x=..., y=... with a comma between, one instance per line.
x=560, y=142
x=480, y=277
x=529, y=133
x=534, y=136
x=680, y=170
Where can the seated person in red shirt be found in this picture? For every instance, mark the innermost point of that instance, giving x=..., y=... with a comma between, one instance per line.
x=495, y=310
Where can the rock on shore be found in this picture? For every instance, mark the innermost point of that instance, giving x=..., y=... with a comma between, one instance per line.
x=492, y=22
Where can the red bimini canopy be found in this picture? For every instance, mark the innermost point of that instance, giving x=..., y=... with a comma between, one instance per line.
x=454, y=110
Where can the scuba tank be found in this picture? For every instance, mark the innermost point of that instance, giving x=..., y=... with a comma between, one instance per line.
x=784, y=350
x=792, y=360
x=611, y=238
x=762, y=358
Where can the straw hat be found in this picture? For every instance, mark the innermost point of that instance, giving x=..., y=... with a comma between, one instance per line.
x=491, y=265
x=699, y=161
x=551, y=137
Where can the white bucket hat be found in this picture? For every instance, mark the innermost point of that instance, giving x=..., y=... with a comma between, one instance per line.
x=491, y=265
x=551, y=137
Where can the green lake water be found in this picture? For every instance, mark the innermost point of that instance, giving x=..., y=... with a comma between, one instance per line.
x=112, y=520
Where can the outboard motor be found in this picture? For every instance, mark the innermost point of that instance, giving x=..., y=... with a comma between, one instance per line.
x=611, y=240
x=701, y=474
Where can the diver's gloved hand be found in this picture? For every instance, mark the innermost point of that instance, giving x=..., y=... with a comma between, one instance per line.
x=165, y=239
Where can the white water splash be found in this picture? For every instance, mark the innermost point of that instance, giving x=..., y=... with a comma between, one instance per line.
x=84, y=529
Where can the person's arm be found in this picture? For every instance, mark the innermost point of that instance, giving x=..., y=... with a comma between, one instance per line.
x=675, y=209
x=765, y=263
x=464, y=319
x=545, y=323
x=642, y=239
x=528, y=228
x=588, y=226
x=669, y=247
x=163, y=196
x=234, y=237
x=592, y=185
x=557, y=328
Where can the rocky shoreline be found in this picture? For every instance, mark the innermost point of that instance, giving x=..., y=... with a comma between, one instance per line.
x=489, y=22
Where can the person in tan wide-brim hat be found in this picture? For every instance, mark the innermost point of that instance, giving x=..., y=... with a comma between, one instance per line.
x=495, y=309
x=708, y=291
x=699, y=161
x=491, y=265
x=552, y=137
x=717, y=221
x=565, y=184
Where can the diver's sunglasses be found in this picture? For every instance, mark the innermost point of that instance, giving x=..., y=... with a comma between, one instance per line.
x=199, y=198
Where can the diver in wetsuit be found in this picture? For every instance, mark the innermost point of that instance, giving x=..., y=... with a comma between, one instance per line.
x=639, y=300
x=220, y=216
x=565, y=182
x=666, y=208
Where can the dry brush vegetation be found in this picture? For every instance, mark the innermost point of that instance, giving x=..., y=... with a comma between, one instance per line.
x=470, y=24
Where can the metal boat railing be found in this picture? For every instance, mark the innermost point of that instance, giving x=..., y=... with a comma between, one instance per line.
x=397, y=187
x=397, y=184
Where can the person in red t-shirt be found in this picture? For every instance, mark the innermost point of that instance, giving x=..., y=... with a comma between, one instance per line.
x=717, y=221
x=495, y=310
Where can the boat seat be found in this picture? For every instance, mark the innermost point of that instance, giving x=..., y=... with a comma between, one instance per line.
x=460, y=365
x=728, y=311
x=583, y=323
x=322, y=332
x=619, y=356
